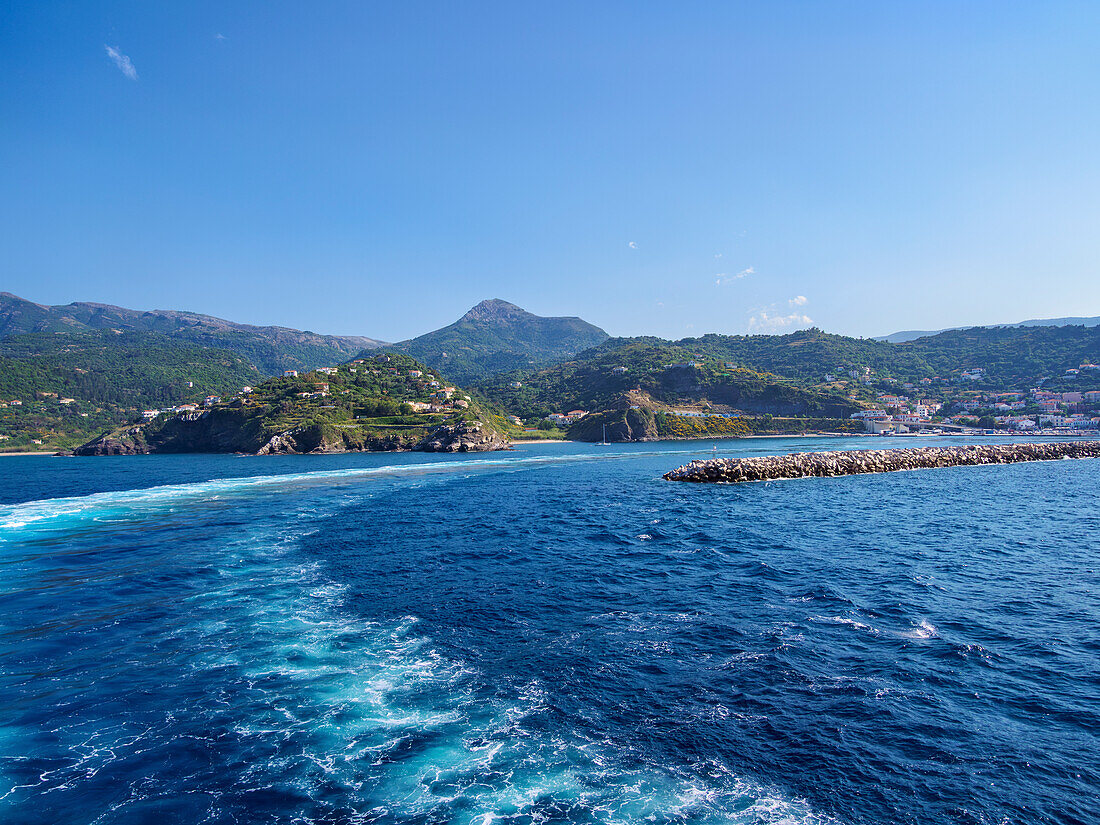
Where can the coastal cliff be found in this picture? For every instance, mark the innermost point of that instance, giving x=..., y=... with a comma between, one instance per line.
x=803, y=465
x=208, y=433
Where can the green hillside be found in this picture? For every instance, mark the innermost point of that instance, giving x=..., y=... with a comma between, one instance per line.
x=1012, y=356
x=387, y=402
x=110, y=377
x=496, y=336
x=656, y=374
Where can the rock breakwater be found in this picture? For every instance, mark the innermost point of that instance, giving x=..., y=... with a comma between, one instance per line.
x=853, y=462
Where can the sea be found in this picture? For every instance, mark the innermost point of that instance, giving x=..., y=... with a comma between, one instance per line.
x=549, y=635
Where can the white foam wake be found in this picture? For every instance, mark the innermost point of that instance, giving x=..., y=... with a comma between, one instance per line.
x=122, y=503
x=368, y=720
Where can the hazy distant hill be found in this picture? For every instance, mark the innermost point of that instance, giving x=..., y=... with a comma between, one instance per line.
x=496, y=336
x=272, y=349
x=913, y=334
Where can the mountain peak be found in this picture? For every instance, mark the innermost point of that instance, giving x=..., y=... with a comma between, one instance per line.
x=497, y=336
x=495, y=309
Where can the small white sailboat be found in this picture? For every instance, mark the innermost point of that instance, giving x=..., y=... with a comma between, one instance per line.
x=605, y=442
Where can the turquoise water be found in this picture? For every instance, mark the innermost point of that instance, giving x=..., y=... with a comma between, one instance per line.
x=550, y=635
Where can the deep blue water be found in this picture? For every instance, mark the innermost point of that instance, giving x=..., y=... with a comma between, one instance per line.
x=550, y=635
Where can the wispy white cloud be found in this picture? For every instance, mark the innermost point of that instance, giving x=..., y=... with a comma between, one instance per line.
x=765, y=322
x=125, y=65
x=798, y=301
x=219, y=36
x=632, y=245
x=727, y=277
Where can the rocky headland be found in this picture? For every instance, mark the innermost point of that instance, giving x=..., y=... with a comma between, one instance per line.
x=212, y=432
x=853, y=462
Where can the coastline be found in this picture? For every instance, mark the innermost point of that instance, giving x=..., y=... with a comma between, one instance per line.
x=525, y=441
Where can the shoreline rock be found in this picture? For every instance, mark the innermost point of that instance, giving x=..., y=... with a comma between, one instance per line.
x=193, y=436
x=857, y=462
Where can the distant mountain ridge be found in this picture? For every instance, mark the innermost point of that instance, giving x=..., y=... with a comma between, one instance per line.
x=497, y=336
x=271, y=348
x=914, y=334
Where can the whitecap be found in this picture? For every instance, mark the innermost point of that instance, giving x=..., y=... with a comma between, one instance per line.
x=923, y=629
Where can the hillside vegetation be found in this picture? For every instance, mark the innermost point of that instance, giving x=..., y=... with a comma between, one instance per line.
x=110, y=378
x=1011, y=356
x=388, y=402
x=128, y=369
x=657, y=374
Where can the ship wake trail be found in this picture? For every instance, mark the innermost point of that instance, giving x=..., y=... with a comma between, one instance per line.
x=281, y=704
x=140, y=503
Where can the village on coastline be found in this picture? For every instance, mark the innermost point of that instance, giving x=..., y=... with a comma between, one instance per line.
x=526, y=377
x=1035, y=411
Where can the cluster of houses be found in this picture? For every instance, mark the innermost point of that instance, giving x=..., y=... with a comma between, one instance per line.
x=691, y=412
x=565, y=419
x=899, y=409
x=1062, y=410
x=1065, y=410
x=902, y=404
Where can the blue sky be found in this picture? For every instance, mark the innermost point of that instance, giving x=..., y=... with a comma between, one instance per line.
x=669, y=169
